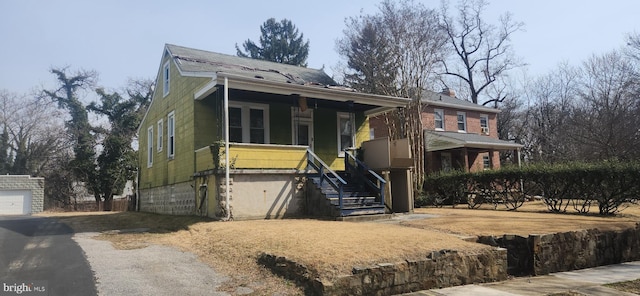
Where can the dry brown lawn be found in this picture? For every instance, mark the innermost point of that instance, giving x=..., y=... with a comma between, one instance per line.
x=532, y=218
x=329, y=248
x=629, y=286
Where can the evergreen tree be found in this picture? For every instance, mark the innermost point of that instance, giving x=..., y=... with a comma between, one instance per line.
x=370, y=60
x=117, y=162
x=78, y=127
x=280, y=42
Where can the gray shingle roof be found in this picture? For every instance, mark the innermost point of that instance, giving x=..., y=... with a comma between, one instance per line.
x=442, y=100
x=448, y=140
x=200, y=61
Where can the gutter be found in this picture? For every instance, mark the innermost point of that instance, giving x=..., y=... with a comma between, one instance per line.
x=254, y=84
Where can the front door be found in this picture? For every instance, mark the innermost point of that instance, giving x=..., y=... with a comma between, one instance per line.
x=302, y=123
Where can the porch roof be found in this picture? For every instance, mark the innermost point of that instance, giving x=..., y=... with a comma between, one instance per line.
x=438, y=141
x=269, y=77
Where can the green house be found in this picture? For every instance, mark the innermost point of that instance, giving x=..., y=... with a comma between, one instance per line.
x=286, y=124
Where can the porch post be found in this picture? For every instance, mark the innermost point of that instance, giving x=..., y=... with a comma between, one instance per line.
x=491, y=159
x=519, y=160
x=465, y=153
x=226, y=146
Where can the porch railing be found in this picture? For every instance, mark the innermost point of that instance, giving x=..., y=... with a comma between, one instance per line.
x=323, y=172
x=358, y=169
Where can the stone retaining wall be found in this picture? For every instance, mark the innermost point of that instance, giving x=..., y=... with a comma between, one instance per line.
x=547, y=253
x=584, y=249
x=439, y=269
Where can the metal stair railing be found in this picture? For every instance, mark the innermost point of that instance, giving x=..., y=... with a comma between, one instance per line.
x=323, y=172
x=363, y=172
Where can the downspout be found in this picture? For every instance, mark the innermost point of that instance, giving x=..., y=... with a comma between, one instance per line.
x=226, y=148
x=137, y=206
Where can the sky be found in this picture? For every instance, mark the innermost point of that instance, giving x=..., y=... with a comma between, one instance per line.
x=123, y=39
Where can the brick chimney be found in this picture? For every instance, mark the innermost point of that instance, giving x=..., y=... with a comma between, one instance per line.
x=448, y=92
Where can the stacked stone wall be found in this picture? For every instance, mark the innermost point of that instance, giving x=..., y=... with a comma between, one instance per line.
x=438, y=270
x=177, y=199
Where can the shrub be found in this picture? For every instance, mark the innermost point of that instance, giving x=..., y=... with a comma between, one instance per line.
x=611, y=184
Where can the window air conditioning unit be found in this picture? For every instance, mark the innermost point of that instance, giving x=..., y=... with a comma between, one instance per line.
x=485, y=130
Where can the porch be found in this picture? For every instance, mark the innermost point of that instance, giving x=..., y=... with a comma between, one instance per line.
x=464, y=151
x=278, y=181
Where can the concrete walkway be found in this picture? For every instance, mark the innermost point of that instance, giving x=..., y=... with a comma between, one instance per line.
x=585, y=282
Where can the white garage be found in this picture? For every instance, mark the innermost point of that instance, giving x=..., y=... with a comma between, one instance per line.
x=21, y=195
x=15, y=202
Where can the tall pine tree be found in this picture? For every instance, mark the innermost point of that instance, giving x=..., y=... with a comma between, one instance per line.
x=280, y=42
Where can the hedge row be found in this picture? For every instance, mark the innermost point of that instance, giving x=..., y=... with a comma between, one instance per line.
x=610, y=185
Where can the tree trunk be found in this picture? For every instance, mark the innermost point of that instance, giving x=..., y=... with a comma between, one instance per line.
x=108, y=202
x=98, y=199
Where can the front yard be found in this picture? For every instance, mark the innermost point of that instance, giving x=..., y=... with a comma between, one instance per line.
x=327, y=247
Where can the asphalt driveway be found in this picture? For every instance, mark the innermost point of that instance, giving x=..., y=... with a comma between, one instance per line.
x=39, y=254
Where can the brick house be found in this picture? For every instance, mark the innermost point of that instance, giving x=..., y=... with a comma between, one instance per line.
x=458, y=134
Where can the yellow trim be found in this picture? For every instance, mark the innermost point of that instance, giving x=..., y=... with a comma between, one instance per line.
x=261, y=156
x=256, y=156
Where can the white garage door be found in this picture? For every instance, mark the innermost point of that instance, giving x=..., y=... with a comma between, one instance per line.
x=15, y=202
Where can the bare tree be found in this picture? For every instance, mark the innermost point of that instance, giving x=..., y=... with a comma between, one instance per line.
x=547, y=119
x=633, y=46
x=482, y=52
x=395, y=52
x=33, y=130
x=37, y=144
x=606, y=119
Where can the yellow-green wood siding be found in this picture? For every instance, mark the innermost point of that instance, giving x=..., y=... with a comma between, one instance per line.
x=180, y=101
x=197, y=126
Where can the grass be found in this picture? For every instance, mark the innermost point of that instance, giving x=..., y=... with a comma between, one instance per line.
x=532, y=218
x=327, y=248
x=628, y=286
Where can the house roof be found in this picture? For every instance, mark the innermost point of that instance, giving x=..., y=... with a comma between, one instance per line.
x=269, y=77
x=443, y=100
x=194, y=61
x=437, y=141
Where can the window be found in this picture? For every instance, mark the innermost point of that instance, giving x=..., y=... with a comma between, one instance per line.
x=346, y=132
x=438, y=115
x=249, y=123
x=462, y=122
x=302, y=126
x=256, y=126
x=165, y=78
x=235, y=125
x=150, y=146
x=486, y=162
x=372, y=133
x=484, y=124
x=160, y=134
x=171, y=132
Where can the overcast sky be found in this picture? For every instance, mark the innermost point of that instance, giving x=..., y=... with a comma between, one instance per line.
x=123, y=39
